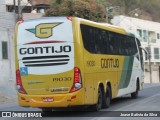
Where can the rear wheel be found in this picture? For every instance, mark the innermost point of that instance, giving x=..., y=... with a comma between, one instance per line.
x=98, y=105
x=107, y=98
x=134, y=95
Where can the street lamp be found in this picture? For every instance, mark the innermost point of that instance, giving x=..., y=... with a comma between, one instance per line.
x=109, y=10
x=134, y=11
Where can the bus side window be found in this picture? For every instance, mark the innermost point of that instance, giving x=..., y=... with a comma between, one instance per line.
x=100, y=42
x=140, y=53
x=105, y=44
x=113, y=43
x=110, y=43
x=88, y=38
x=121, y=45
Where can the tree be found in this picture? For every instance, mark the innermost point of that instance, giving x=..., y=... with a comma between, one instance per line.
x=87, y=9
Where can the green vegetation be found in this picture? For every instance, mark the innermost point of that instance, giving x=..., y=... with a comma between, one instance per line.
x=96, y=9
x=88, y=9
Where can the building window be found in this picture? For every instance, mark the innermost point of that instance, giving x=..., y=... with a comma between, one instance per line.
x=139, y=31
x=4, y=50
x=145, y=35
x=156, y=53
x=158, y=35
x=147, y=48
x=152, y=37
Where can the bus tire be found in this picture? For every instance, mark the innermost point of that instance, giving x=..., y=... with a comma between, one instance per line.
x=98, y=105
x=107, y=98
x=134, y=95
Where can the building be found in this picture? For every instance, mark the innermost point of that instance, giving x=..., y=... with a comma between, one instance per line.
x=28, y=5
x=8, y=15
x=29, y=8
x=150, y=39
x=7, y=72
x=40, y=5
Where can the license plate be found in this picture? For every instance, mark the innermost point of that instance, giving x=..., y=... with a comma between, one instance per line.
x=48, y=99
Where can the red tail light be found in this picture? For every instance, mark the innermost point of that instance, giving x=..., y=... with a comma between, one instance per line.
x=77, y=80
x=20, y=22
x=18, y=77
x=69, y=18
x=19, y=83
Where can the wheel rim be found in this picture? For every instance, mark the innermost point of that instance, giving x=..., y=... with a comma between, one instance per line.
x=108, y=99
x=99, y=105
x=137, y=90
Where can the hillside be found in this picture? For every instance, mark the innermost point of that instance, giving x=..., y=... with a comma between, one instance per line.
x=147, y=9
x=96, y=9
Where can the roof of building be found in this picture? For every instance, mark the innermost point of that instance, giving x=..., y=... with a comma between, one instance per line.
x=44, y=2
x=135, y=23
x=23, y=2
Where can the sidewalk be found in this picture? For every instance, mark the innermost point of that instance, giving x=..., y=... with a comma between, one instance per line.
x=5, y=99
x=7, y=96
x=149, y=85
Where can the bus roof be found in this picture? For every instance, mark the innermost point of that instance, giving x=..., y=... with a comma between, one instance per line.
x=102, y=25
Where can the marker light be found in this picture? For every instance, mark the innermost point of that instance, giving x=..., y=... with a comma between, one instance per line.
x=20, y=22
x=77, y=80
x=19, y=83
x=69, y=18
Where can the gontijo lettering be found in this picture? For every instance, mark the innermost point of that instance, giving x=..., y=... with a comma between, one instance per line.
x=109, y=63
x=42, y=50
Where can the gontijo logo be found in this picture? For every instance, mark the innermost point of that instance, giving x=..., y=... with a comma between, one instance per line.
x=44, y=30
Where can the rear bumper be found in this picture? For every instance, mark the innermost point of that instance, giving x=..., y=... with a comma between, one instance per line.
x=59, y=100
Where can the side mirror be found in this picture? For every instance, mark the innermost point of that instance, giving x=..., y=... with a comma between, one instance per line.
x=146, y=53
x=146, y=56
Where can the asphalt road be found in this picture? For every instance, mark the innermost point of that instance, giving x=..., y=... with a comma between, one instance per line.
x=148, y=100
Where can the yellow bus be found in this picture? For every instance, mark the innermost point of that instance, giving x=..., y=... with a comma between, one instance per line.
x=68, y=61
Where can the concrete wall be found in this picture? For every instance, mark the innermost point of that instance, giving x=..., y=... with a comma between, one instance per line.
x=27, y=16
x=2, y=6
x=7, y=69
x=155, y=73
x=7, y=66
x=155, y=77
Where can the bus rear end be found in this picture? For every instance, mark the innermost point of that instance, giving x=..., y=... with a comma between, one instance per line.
x=46, y=74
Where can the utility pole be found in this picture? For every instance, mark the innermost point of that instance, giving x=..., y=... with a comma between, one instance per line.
x=107, y=12
x=19, y=10
x=14, y=3
x=150, y=64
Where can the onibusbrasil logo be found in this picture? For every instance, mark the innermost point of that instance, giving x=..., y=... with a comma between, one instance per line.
x=44, y=30
x=21, y=114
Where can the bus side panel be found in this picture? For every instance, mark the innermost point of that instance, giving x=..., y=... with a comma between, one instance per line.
x=89, y=87
x=15, y=47
x=129, y=74
x=78, y=53
x=100, y=70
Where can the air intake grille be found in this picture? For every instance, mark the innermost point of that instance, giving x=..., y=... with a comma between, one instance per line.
x=40, y=61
